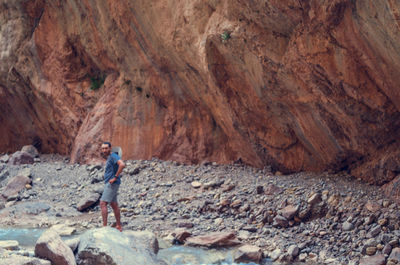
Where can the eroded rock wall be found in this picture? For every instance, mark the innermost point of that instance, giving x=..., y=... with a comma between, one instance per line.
x=301, y=85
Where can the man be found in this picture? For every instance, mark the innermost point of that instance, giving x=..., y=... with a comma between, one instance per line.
x=112, y=179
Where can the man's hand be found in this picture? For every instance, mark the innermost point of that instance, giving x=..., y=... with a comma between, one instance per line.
x=112, y=180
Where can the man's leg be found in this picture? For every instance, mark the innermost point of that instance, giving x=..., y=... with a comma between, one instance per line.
x=104, y=212
x=117, y=213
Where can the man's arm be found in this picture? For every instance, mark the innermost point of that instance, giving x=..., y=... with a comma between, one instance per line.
x=121, y=166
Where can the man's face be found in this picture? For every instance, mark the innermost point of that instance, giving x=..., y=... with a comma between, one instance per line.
x=105, y=150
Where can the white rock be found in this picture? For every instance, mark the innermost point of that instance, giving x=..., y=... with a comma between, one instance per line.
x=9, y=244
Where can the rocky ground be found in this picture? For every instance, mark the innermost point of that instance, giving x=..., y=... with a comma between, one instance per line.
x=321, y=218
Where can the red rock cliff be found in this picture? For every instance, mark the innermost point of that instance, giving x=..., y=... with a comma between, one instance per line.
x=300, y=85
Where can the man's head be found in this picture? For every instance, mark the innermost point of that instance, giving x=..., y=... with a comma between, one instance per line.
x=105, y=149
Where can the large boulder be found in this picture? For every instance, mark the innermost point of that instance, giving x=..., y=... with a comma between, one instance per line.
x=108, y=246
x=31, y=150
x=50, y=246
x=15, y=185
x=217, y=239
x=19, y=158
x=88, y=200
x=248, y=253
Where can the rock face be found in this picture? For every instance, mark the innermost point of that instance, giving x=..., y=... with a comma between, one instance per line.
x=300, y=85
x=50, y=246
x=104, y=246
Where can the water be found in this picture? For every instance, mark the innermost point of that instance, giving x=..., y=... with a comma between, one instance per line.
x=26, y=237
x=175, y=255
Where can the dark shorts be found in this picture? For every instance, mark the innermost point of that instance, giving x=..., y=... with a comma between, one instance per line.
x=110, y=193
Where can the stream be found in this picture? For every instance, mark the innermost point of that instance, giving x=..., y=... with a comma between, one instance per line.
x=27, y=238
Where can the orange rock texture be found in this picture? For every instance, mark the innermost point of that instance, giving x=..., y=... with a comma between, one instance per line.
x=299, y=85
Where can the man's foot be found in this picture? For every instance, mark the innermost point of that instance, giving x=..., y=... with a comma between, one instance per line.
x=119, y=227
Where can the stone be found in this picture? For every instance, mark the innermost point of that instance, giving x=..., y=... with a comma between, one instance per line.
x=289, y=211
x=314, y=199
x=216, y=239
x=104, y=246
x=374, y=231
x=20, y=158
x=293, y=251
x=280, y=221
x=272, y=189
x=347, y=226
x=50, y=246
x=387, y=249
x=274, y=255
x=196, y=184
x=22, y=260
x=248, y=253
x=372, y=206
x=373, y=260
x=87, y=201
x=370, y=251
x=30, y=149
x=382, y=221
x=394, y=256
x=181, y=234
x=15, y=185
x=9, y=244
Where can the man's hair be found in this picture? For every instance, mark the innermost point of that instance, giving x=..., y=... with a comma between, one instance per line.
x=107, y=143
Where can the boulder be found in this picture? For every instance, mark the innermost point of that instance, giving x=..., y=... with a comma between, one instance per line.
x=22, y=260
x=217, y=239
x=9, y=244
x=280, y=221
x=15, y=185
x=373, y=260
x=248, y=253
x=88, y=201
x=105, y=246
x=30, y=149
x=19, y=158
x=180, y=235
x=147, y=239
x=289, y=211
x=394, y=256
x=50, y=246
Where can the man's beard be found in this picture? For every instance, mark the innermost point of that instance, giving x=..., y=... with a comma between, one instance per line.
x=104, y=155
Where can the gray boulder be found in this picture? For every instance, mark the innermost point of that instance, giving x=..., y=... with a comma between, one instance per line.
x=88, y=200
x=108, y=246
x=31, y=150
x=15, y=185
x=19, y=158
x=51, y=247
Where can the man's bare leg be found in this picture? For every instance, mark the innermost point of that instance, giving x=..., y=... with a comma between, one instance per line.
x=104, y=212
x=117, y=213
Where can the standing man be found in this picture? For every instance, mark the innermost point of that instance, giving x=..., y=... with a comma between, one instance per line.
x=112, y=179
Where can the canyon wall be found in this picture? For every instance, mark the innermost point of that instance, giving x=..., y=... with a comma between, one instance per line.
x=299, y=85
